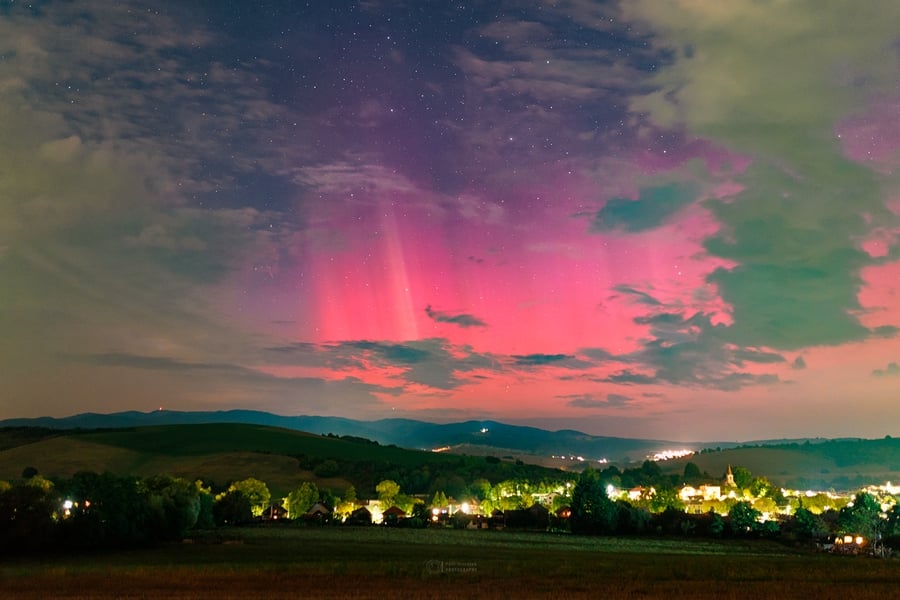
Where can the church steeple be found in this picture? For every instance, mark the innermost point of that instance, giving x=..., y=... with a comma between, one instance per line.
x=729, y=478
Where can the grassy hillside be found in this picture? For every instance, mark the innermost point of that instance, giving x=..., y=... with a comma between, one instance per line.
x=407, y=433
x=224, y=452
x=839, y=464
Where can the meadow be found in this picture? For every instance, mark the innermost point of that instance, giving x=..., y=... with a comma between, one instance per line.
x=378, y=562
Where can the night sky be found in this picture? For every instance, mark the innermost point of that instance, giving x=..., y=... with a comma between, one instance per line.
x=673, y=219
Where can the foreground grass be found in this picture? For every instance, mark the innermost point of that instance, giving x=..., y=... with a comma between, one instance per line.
x=379, y=563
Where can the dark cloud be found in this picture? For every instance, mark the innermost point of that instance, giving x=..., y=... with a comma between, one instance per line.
x=590, y=401
x=598, y=354
x=741, y=355
x=629, y=377
x=463, y=320
x=401, y=354
x=651, y=209
x=431, y=362
x=539, y=360
x=798, y=263
x=692, y=351
x=641, y=297
x=891, y=370
x=798, y=364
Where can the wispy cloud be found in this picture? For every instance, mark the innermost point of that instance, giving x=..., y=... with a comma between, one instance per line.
x=590, y=401
x=461, y=319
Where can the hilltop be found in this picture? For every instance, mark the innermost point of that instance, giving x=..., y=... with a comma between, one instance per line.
x=286, y=448
x=842, y=464
x=219, y=453
x=482, y=437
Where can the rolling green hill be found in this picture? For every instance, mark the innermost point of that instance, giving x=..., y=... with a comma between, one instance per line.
x=838, y=464
x=223, y=452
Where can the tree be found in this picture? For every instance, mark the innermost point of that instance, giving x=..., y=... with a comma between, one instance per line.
x=26, y=518
x=205, y=518
x=692, y=473
x=651, y=471
x=327, y=468
x=302, y=499
x=666, y=497
x=387, y=490
x=232, y=508
x=592, y=510
x=176, y=505
x=107, y=511
x=760, y=487
x=742, y=518
x=406, y=503
x=742, y=477
x=480, y=488
x=256, y=492
x=807, y=525
x=861, y=517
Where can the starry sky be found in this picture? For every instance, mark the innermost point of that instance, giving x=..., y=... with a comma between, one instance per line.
x=676, y=219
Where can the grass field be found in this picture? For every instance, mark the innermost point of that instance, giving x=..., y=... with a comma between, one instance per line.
x=291, y=562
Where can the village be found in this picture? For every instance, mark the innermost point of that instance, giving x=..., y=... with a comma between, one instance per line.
x=714, y=509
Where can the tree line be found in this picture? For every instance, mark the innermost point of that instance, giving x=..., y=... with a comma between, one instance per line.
x=101, y=511
x=593, y=512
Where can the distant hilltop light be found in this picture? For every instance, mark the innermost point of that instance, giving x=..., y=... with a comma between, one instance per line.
x=670, y=454
x=578, y=458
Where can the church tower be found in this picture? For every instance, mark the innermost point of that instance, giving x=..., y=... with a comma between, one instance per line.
x=729, y=478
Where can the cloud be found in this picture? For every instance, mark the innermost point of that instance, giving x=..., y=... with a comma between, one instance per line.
x=109, y=147
x=798, y=364
x=650, y=210
x=690, y=351
x=741, y=355
x=463, y=320
x=433, y=362
x=772, y=86
x=758, y=76
x=630, y=377
x=536, y=91
x=891, y=370
x=641, y=297
x=589, y=401
x=540, y=360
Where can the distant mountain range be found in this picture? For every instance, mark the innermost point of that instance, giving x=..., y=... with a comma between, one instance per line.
x=471, y=437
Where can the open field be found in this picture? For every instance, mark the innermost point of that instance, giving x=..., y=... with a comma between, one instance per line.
x=291, y=562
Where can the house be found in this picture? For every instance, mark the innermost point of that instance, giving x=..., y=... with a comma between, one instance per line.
x=535, y=517
x=688, y=492
x=639, y=492
x=274, y=512
x=318, y=513
x=393, y=515
x=848, y=544
x=711, y=492
x=360, y=516
x=497, y=519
